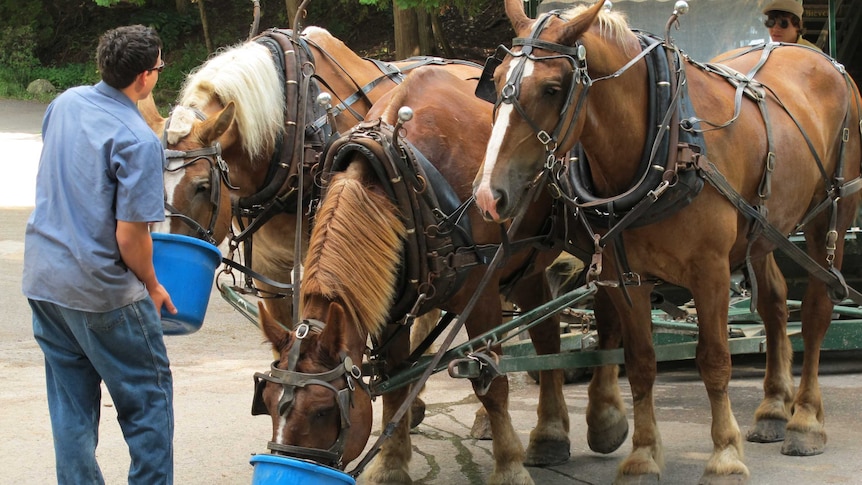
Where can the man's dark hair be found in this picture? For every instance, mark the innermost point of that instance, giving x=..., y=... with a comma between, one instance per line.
x=125, y=52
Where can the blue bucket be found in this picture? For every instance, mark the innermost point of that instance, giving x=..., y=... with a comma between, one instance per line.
x=275, y=469
x=185, y=266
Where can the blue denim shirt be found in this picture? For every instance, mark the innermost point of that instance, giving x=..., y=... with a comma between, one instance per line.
x=100, y=163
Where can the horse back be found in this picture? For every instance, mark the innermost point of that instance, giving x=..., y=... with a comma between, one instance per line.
x=450, y=125
x=809, y=103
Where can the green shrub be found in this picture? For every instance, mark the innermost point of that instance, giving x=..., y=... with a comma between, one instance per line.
x=179, y=64
x=68, y=76
x=17, y=58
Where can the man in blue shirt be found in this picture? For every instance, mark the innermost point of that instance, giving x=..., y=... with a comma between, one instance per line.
x=88, y=269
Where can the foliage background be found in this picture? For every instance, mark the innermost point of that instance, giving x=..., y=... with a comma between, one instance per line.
x=56, y=39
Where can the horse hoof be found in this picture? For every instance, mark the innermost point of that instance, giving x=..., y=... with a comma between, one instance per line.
x=646, y=479
x=733, y=479
x=767, y=431
x=547, y=453
x=609, y=438
x=797, y=443
x=417, y=412
x=481, y=429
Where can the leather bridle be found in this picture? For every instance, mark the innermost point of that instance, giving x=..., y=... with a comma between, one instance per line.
x=290, y=379
x=218, y=174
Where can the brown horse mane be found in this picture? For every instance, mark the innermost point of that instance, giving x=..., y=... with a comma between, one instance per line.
x=355, y=251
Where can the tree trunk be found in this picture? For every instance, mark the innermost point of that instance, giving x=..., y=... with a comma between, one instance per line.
x=205, y=26
x=414, y=35
x=406, y=25
x=181, y=6
x=425, y=33
x=291, y=7
x=440, y=37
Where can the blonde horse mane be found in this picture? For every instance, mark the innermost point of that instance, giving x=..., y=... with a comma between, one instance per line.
x=355, y=251
x=246, y=75
x=613, y=24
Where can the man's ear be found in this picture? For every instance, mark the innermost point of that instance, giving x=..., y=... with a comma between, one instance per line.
x=139, y=85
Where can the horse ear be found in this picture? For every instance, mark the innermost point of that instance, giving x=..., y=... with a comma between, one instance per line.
x=216, y=126
x=339, y=332
x=274, y=332
x=515, y=12
x=576, y=27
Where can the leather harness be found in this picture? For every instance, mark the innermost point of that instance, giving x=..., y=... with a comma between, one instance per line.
x=664, y=189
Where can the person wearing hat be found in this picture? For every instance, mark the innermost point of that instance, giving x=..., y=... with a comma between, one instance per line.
x=784, y=21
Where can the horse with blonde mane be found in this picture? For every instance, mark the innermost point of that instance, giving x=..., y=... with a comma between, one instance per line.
x=245, y=104
x=738, y=153
x=360, y=270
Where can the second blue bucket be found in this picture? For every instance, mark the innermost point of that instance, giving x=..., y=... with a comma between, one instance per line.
x=185, y=266
x=278, y=470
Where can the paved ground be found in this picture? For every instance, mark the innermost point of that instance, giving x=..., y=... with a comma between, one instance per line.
x=213, y=368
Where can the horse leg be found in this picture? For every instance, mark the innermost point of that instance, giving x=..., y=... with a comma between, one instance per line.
x=549, y=441
x=772, y=415
x=712, y=299
x=806, y=434
x=391, y=466
x=422, y=327
x=607, y=425
x=506, y=446
x=646, y=460
x=481, y=429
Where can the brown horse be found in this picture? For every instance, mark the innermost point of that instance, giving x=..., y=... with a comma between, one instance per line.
x=350, y=286
x=237, y=99
x=773, y=134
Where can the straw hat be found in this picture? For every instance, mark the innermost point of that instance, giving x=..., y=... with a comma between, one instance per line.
x=789, y=6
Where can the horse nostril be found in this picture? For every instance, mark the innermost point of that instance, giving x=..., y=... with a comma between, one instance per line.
x=490, y=201
x=502, y=200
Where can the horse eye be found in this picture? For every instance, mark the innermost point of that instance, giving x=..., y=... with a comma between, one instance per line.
x=323, y=412
x=202, y=188
x=551, y=90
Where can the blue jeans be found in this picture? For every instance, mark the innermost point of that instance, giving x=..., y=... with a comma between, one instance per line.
x=126, y=349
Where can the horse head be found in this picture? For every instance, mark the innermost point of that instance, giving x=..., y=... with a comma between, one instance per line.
x=319, y=405
x=541, y=107
x=196, y=176
x=320, y=408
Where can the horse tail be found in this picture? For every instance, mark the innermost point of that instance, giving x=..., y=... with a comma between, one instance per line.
x=355, y=250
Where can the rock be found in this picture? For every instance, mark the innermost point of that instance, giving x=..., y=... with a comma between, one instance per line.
x=41, y=86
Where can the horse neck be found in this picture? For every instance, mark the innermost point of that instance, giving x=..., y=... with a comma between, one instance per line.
x=247, y=174
x=340, y=331
x=615, y=117
x=150, y=112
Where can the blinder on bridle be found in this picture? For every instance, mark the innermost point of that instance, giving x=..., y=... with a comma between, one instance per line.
x=290, y=379
x=576, y=55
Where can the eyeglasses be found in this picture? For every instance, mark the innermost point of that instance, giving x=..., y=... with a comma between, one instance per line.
x=160, y=68
x=770, y=23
